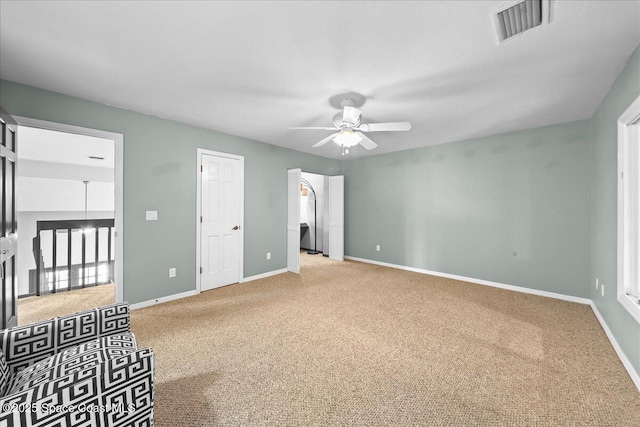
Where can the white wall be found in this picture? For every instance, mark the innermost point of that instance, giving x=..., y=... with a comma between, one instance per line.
x=61, y=195
x=306, y=211
x=35, y=168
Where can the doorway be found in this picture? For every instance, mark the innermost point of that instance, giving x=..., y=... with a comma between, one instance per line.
x=75, y=224
x=315, y=216
x=8, y=226
x=220, y=219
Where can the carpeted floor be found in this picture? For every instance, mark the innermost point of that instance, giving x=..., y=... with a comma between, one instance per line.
x=356, y=344
x=33, y=309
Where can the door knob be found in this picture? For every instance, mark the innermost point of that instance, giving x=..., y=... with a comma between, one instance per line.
x=237, y=227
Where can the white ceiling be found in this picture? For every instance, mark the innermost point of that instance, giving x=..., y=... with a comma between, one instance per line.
x=255, y=69
x=44, y=145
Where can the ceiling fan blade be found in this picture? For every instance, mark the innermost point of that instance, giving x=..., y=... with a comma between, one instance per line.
x=366, y=141
x=324, y=141
x=382, y=127
x=317, y=128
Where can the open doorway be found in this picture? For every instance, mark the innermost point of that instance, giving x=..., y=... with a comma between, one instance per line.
x=314, y=214
x=69, y=207
x=315, y=217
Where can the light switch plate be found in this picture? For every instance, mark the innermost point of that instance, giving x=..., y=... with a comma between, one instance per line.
x=152, y=215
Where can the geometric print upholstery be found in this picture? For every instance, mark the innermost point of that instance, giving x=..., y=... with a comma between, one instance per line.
x=72, y=360
x=115, y=387
x=118, y=392
x=5, y=377
x=25, y=345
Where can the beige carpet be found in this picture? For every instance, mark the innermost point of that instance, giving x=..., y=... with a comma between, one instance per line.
x=356, y=344
x=33, y=309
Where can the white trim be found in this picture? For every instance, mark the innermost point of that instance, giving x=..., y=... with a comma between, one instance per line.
x=197, y=292
x=199, y=153
x=161, y=300
x=118, y=140
x=336, y=217
x=292, y=226
x=623, y=358
x=267, y=274
x=625, y=118
x=547, y=294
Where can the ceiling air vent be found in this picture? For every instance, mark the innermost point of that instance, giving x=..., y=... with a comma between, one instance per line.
x=520, y=17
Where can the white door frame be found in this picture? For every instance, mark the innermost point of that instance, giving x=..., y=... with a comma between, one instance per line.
x=293, y=221
x=118, y=140
x=199, y=153
x=336, y=217
x=338, y=252
x=625, y=189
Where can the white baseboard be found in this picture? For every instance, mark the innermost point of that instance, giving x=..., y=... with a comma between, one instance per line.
x=263, y=275
x=162, y=299
x=547, y=294
x=623, y=357
x=195, y=292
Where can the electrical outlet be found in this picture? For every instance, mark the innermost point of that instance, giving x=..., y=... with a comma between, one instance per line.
x=172, y=272
x=378, y=248
x=152, y=215
x=602, y=288
x=268, y=256
x=597, y=283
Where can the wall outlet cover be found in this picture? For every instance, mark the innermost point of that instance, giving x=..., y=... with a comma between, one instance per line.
x=172, y=272
x=152, y=215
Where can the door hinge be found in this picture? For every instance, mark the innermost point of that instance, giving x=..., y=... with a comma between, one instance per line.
x=200, y=168
x=200, y=270
x=200, y=218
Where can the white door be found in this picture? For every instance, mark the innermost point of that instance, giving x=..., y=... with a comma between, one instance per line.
x=325, y=216
x=336, y=217
x=8, y=236
x=293, y=220
x=221, y=231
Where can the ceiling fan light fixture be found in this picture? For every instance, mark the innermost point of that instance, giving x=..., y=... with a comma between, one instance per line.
x=347, y=138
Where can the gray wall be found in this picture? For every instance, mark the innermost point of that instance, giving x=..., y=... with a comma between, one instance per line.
x=511, y=208
x=160, y=174
x=604, y=208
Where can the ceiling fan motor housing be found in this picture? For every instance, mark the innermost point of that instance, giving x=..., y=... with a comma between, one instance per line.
x=349, y=117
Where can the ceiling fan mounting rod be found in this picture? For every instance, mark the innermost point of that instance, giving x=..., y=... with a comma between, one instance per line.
x=347, y=102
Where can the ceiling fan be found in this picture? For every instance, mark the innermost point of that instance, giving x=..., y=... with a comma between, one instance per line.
x=349, y=127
